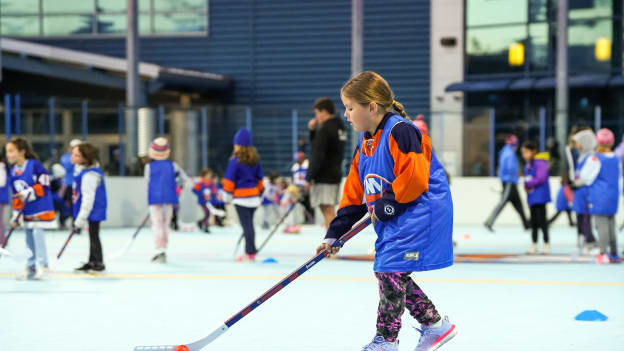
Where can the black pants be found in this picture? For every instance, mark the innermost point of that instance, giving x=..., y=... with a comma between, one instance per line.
x=554, y=218
x=95, y=246
x=219, y=220
x=245, y=216
x=584, y=227
x=538, y=220
x=510, y=194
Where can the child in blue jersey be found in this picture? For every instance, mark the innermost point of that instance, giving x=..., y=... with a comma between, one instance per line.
x=205, y=191
x=536, y=175
x=30, y=184
x=217, y=201
x=270, y=199
x=396, y=177
x=585, y=142
x=89, y=202
x=601, y=172
x=4, y=195
x=243, y=182
x=161, y=174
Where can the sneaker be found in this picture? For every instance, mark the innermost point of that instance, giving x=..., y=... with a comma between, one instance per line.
x=246, y=258
x=160, y=258
x=602, y=259
x=532, y=250
x=28, y=274
x=206, y=230
x=432, y=338
x=97, y=268
x=614, y=259
x=546, y=249
x=380, y=344
x=292, y=229
x=42, y=273
x=83, y=269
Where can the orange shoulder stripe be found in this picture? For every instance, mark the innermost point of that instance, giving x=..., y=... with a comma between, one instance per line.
x=411, y=171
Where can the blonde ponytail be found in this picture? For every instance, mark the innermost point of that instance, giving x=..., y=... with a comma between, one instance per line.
x=398, y=107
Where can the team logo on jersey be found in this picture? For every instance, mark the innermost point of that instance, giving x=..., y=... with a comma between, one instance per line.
x=389, y=210
x=373, y=187
x=20, y=185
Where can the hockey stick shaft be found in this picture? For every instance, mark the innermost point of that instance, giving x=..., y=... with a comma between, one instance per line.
x=276, y=226
x=200, y=344
x=58, y=256
x=126, y=247
x=20, y=214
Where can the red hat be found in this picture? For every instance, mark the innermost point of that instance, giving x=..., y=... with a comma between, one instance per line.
x=421, y=124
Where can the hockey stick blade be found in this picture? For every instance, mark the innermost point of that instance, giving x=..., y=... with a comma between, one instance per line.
x=200, y=344
x=215, y=211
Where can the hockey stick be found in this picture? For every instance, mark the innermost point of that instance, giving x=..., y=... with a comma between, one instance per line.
x=126, y=247
x=58, y=256
x=200, y=344
x=276, y=226
x=21, y=213
x=621, y=227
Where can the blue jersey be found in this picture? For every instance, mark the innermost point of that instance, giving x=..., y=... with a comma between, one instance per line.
x=4, y=190
x=396, y=174
x=580, y=204
x=68, y=180
x=204, y=192
x=32, y=175
x=536, y=183
x=242, y=180
x=162, y=183
x=604, y=191
x=218, y=199
x=508, y=165
x=98, y=212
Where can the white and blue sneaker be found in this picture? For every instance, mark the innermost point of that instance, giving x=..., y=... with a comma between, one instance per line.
x=380, y=344
x=432, y=338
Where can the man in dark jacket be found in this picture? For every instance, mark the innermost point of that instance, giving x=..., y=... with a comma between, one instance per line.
x=327, y=136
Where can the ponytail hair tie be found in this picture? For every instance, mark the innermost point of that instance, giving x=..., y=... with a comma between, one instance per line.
x=394, y=102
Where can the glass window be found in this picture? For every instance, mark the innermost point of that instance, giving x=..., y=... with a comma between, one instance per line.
x=120, y=5
x=538, y=10
x=64, y=6
x=66, y=25
x=538, y=56
x=582, y=46
x=178, y=5
x=485, y=12
x=22, y=25
x=19, y=6
x=111, y=24
x=487, y=49
x=580, y=9
x=179, y=22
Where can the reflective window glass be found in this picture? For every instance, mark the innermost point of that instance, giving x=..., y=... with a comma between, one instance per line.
x=538, y=57
x=120, y=5
x=179, y=5
x=111, y=24
x=582, y=39
x=538, y=10
x=67, y=25
x=484, y=12
x=179, y=22
x=487, y=49
x=22, y=25
x=580, y=9
x=19, y=6
x=68, y=6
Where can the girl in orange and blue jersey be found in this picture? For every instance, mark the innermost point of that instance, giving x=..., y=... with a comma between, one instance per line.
x=243, y=182
x=396, y=177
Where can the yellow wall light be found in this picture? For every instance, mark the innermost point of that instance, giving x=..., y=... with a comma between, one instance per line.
x=516, y=54
x=602, y=49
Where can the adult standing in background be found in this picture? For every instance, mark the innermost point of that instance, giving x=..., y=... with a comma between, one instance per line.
x=508, y=174
x=327, y=138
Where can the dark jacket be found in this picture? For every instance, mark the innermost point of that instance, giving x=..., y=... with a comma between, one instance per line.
x=327, y=150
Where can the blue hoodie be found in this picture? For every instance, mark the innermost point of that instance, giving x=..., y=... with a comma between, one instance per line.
x=508, y=165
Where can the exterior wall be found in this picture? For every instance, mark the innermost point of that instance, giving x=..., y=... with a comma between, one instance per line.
x=447, y=66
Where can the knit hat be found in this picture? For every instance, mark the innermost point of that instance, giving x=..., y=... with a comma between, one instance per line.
x=421, y=124
x=511, y=139
x=75, y=142
x=159, y=149
x=605, y=137
x=243, y=137
x=586, y=139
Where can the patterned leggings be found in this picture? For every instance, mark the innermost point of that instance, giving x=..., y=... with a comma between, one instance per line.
x=397, y=291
